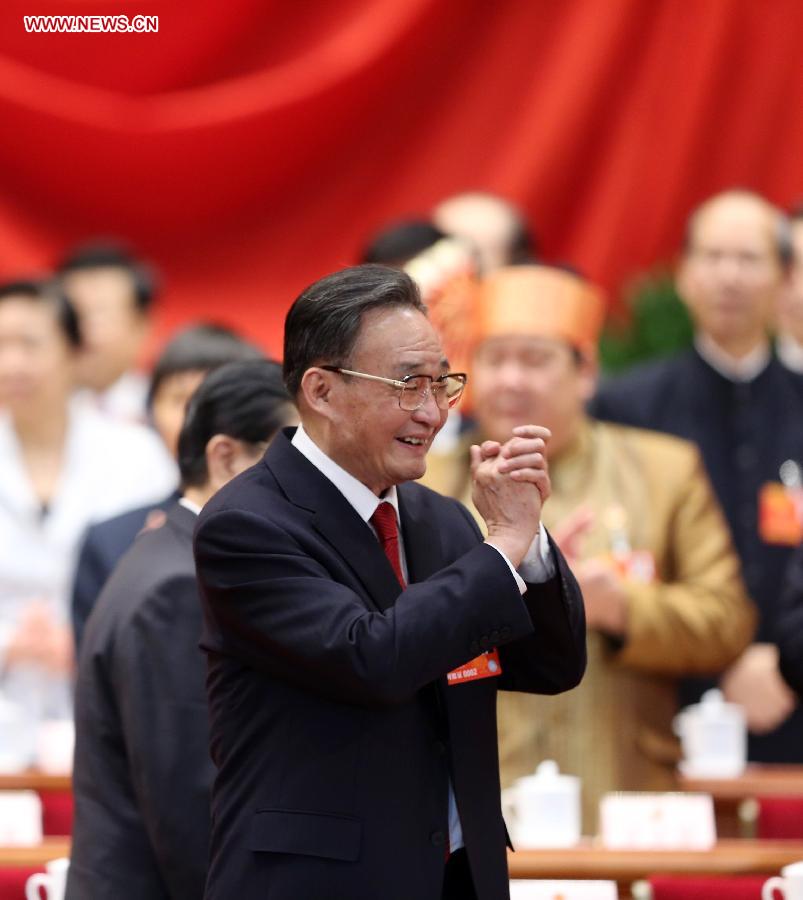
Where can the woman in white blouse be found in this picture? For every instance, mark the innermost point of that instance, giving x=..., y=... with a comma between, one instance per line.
x=62, y=466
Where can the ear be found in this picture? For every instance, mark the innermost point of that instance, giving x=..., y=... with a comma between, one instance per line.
x=316, y=391
x=221, y=459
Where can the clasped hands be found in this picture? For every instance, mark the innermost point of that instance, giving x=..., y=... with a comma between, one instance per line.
x=510, y=483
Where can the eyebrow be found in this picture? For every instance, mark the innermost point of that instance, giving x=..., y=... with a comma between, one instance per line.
x=409, y=368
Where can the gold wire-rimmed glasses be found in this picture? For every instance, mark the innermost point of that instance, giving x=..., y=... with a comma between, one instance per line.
x=414, y=390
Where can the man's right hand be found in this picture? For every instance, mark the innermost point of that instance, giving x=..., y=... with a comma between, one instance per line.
x=510, y=484
x=756, y=684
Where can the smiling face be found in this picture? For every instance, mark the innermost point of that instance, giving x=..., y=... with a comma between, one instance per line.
x=368, y=434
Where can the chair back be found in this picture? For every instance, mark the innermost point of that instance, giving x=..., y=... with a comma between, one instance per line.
x=700, y=887
x=780, y=818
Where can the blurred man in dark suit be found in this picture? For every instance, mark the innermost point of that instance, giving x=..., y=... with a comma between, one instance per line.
x=357, y=627
x=744, y=410
x=790, y=624
x=142, y=769
x=181, y=367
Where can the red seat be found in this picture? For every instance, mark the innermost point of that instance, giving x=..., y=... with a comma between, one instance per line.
x=780, y=817
x=710, y=887
x=57, y=812
x=12, y=880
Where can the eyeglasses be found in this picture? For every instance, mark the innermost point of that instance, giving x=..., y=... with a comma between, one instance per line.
x=414, y=390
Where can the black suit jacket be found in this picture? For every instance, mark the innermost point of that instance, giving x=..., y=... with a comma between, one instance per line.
x=103, y=545
x=332, y=726
x=745, y=432
x=142, y=773
x=790, y=624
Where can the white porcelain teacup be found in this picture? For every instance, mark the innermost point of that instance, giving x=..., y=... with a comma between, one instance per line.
x=543, y=810
x=789, y=886
x=714, y=737
x=53, y=880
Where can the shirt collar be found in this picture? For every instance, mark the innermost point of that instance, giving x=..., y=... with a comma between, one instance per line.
x=188, y=504
x=790, y=352
x=362, y=498
x=738, y=370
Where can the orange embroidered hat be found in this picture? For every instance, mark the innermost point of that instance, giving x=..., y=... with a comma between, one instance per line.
x=540, y=301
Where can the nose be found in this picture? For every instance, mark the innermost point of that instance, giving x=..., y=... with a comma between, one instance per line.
x=511, y=376
x=429, y=413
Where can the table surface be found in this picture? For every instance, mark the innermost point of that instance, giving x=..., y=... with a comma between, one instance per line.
x=587, y=860
x=34, y=780
x=50, y=848
x=756, y=781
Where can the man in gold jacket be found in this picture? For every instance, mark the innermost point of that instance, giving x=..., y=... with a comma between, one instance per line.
x=635, y=515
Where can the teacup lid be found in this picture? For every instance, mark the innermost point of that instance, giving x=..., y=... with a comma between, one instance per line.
x=713, y=705
x=548, y=776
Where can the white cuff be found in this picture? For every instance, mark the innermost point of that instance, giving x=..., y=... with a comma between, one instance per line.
x=537, y=566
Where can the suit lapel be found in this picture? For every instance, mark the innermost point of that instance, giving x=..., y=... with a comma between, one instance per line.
x=334, y=518
x=423, y=547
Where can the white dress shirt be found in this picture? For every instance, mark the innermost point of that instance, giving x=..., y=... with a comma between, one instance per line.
x=790, y=352
x=123, y=401
x=741, y=370
x=537, y=567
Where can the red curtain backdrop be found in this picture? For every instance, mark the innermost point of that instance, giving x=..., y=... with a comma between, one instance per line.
x=250, y=146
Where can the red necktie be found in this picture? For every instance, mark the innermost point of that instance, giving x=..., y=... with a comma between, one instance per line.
x=384, y=521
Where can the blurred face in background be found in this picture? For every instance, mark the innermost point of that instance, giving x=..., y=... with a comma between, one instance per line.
x=522, y=380
x=113, y=327
x=37, y=362
x=170, y=404
x=731, y=275
x=790, y=317
x=484, y=222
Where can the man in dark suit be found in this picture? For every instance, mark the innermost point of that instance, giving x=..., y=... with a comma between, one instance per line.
x=142, y=772
x=182, y=365
x=353, y=668
x=745, y=411
x=790, y=624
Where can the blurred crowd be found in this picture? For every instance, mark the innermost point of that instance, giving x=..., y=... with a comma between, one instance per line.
x=677, y=488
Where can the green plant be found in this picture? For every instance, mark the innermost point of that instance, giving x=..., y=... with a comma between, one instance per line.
x=654, y=323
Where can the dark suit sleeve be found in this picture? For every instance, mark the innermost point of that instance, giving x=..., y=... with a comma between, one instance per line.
x=553, y=657
x=281, y=611
x=790, y=624
x=159, y=681
x=90, y=575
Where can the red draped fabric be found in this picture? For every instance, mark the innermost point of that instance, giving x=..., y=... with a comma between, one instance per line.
x=250, y=146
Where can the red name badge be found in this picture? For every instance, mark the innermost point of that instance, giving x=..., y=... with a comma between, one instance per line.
x=486, y=665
